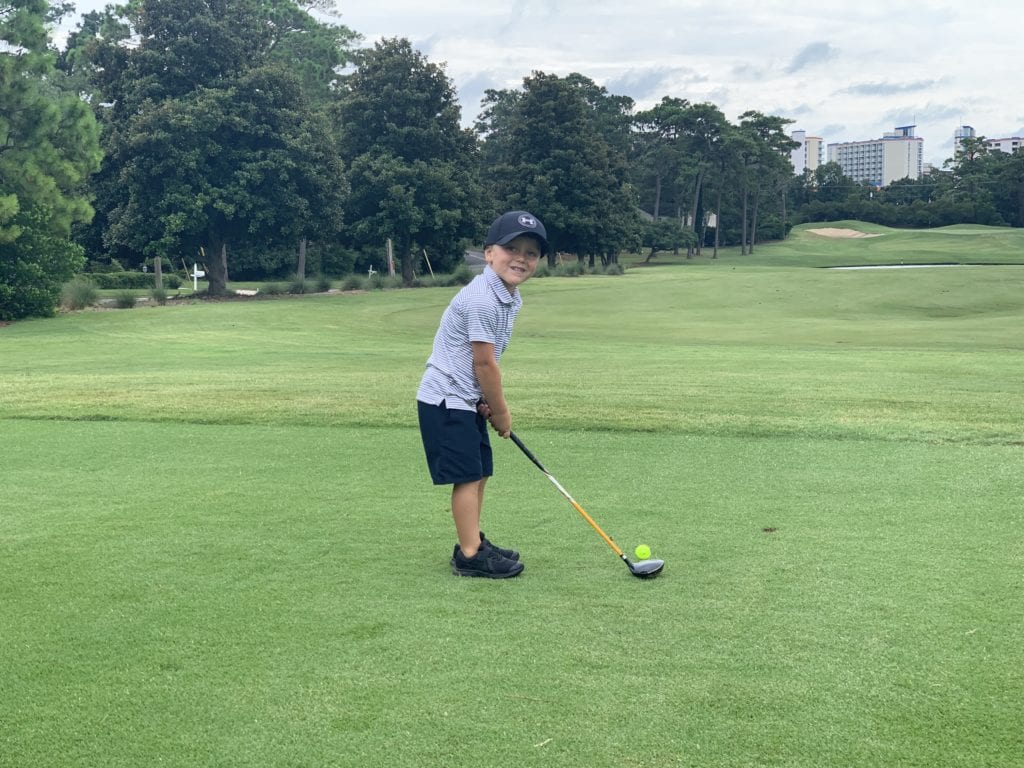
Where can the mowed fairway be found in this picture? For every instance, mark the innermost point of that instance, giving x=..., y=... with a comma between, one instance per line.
x=219, y=545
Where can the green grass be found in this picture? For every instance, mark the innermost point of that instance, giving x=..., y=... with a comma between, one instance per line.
x=961, y=243
x=219, y=546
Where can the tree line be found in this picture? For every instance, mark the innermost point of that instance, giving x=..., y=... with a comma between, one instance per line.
x=260, y=139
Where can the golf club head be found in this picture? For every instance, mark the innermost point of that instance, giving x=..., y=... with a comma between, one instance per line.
x=646, y=569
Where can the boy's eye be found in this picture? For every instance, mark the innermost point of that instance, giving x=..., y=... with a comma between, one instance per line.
x=527, y=252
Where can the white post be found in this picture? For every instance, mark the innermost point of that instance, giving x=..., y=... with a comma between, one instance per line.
x=195, y=277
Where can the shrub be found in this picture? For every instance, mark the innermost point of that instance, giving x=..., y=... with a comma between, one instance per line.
x=122, y=280
x=172, y=281
x=353, y=282
x=79, y=293
x=124, y=300
x=273, y=289
x=108, y=265
x=323, y=283
x=159, y=295
x=614, y=269
x=299, y=285
x=570, y=269
x=543, y=270
x=36, y=265
x=462, y=275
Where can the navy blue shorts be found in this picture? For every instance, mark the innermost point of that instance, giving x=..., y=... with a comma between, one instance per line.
x=456, y=443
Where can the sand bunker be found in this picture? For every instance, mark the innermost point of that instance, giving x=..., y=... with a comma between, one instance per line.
x=832, y=232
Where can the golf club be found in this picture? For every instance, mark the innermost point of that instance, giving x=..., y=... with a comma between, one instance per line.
x=644, y=569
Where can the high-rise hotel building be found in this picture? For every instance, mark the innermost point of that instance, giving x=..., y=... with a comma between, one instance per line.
x=897, y=155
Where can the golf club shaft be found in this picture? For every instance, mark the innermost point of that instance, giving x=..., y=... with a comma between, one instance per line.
x=570, y=499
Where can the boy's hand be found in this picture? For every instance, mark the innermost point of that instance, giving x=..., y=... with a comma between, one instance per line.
x=503, y=425
x=502, y=422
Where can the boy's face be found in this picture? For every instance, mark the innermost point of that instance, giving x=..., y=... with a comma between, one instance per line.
x=515, y=261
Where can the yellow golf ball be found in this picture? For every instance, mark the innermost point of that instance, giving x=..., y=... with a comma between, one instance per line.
x=642, y=551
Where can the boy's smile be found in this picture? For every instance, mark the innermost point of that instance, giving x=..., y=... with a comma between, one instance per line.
x=516, y=261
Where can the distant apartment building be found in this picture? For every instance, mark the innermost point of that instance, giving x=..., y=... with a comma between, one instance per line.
x=964, y=132
x=899, y=154
x=806, y=157
x=1008, y=145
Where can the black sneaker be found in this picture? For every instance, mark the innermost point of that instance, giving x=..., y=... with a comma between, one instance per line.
x=511, y=554
x=487, y=562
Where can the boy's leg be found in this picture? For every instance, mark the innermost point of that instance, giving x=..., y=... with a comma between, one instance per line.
x=467, y=501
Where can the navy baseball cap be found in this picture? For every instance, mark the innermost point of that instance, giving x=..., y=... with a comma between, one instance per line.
x=511, y=225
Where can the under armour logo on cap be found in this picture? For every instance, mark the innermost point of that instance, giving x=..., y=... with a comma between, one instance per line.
x=511, y=225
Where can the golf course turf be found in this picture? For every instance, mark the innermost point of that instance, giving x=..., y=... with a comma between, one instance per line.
x=219, y=545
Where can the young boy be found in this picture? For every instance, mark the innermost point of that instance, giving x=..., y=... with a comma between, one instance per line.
x=461, y=388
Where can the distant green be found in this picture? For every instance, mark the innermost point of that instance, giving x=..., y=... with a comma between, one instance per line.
x=219, y=545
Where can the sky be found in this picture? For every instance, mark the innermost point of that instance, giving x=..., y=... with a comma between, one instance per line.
x=844, y=71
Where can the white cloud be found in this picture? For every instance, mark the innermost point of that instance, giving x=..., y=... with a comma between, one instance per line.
x=846, y=70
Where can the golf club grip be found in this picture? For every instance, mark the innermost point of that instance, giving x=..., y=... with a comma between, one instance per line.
x=522, y=447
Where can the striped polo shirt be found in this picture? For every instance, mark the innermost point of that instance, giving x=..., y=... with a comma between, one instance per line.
x=483, y=310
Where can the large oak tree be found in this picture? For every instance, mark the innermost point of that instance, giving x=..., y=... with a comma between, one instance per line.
x=414, y=170
x=216, y=128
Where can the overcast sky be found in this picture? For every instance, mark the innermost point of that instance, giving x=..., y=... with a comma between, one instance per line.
x=845, y=70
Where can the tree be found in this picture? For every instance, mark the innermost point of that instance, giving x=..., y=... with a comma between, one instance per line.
x=665, y=235
x=831, y=184
x=1008, y=192
x=770, y=164
x=658, y=151
x=972, y=169
x=214, y=140
x=547, y=152
x=226, y=166
x=48, y=148
x=414, y=170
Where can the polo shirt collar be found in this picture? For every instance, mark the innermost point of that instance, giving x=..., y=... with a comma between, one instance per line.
x=505, y=296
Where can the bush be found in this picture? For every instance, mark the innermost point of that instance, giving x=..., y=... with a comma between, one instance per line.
x=273, y=289
x=172, y=281
x=462, y=275
x=299, y=286
x=323, y=283
x=79, y=293
x=124, y=300
x=121, y=280
x=543, y=270
x=614, y=269
x=353, y=282
x=109, y=265
x=34, y=268
x=570, y=269
x=159, y=295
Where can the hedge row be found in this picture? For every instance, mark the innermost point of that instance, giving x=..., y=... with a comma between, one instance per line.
x=119, y=280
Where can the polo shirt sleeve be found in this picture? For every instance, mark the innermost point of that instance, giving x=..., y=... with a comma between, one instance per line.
x=483, y=319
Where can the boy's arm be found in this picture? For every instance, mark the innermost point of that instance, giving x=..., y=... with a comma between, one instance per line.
x=489, y=375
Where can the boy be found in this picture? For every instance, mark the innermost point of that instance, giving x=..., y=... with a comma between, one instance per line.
x=461, y=387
